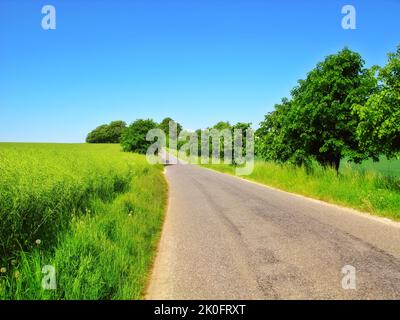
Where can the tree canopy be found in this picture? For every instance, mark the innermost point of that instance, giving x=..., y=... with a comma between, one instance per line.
x=223, y=145
x=318, y=122
x=378, y=128
x=164, y=125
x=134, y=137
x=107, y=133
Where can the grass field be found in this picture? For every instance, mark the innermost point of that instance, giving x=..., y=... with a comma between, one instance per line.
x=91, y=211
x=384, y=166
x=363, y=188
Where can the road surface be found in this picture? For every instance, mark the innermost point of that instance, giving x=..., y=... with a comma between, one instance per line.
x=227, y=238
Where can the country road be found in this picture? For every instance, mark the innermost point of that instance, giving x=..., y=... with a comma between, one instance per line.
x=227, y=238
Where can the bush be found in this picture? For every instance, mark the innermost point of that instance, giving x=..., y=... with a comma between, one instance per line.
x=107, y=133
x=134, y=137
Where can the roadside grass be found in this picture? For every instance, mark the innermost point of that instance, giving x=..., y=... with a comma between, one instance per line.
x=97, y=213
x=365, y=190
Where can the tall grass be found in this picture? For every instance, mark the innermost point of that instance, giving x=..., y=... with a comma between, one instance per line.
x=363, y=190
x=91, y=211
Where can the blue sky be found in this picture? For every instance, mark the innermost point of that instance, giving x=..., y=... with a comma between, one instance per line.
x=196, y=61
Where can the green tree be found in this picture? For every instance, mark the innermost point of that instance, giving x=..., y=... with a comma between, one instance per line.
x=378, y=129
x=104, y=133
x=221, y=125
x=98, y=135
x=223, y=145
x=133, y=139
x=277, y=138
x=318, y=122
x=115, y=129
x=164, y=125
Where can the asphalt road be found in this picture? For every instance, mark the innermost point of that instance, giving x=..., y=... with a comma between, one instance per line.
x=227, y=238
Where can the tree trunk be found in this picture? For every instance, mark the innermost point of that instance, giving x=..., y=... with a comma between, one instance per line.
x=335, y=163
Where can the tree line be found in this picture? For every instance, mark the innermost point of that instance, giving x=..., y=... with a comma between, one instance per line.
x=107, y=133
x=133, y=137
x=340, y=110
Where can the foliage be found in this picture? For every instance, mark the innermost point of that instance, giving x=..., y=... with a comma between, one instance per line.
x=110, y=133
x=278, y=137
x=378, y=129
x=134, y=137
x=164, y=126
x=318, y=123
x=223, y=145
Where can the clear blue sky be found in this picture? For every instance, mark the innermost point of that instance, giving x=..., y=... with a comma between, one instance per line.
x=198, y=61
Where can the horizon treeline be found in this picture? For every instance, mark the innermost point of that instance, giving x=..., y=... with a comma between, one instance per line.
x=340, y=110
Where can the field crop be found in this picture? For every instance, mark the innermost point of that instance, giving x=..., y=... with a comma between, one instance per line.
x=383, y=166
x=91, y=211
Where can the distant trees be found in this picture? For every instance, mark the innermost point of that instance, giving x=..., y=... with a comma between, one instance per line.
x=107, y=133
x=164, y=125
x=319, y=121
x=223, y=142
x=133, y=139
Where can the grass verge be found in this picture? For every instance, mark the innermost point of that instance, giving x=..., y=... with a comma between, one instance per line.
x=366, y=191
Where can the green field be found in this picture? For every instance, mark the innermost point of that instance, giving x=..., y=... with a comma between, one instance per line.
x=383, y=166
x=360, y=187
x=91, y=211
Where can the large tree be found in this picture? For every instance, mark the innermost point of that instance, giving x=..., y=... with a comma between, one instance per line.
x=378, y=129
x=318, y=121
x=134, y=137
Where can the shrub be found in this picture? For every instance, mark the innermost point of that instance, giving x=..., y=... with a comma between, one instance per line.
x=107, y=133
x=134, y=137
